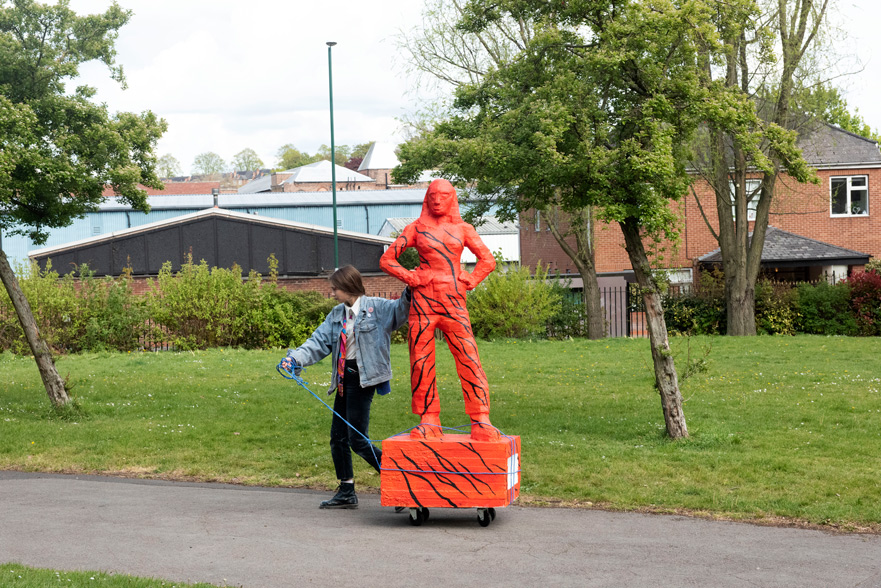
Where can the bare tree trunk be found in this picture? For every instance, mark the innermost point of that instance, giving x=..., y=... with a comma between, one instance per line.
x=45, y=363
x=583, y=256
x=666, y=379
x=740, y=301
x=593, y=306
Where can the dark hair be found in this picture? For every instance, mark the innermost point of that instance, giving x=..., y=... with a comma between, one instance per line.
x=348, y=279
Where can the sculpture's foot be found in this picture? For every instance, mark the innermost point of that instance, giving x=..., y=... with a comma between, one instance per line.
x=482, y=429
x=429, y=428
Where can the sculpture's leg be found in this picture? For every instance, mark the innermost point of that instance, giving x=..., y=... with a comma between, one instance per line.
x=475, y=388
x=423, y=380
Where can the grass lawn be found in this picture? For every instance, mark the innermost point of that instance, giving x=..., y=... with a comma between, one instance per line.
x=780, y=426
x=18, y=576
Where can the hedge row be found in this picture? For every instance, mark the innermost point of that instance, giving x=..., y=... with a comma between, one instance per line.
x=194, y=308
x=849, y=307
x=199, y=307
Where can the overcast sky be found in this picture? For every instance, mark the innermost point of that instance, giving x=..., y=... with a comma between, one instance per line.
x=227, y=74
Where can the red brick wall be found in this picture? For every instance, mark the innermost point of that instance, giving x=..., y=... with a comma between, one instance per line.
x=802, y=209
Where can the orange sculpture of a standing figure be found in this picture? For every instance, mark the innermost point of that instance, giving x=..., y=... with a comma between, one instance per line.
x=438, y=287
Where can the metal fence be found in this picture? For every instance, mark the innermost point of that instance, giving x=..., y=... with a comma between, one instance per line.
x=623, y=311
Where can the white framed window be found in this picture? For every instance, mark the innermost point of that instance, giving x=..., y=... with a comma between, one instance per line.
x=849, y=196
x=752, y=192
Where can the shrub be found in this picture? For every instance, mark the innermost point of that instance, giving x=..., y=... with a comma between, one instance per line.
x=200, y=307
x=513, y=304
x=824, y=309
x=54, y=306
x=570, y=319
x=689, y=314
x=75, y=314
x=775, y=314
x=699, y=312
x=865, y=300
x=114, y=317
x=288, y=318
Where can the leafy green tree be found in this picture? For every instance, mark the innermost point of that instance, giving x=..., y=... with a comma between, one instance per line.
x=168, y=166
x=341, y=153
x=597, y=111
x=445, y=55
x=826, y=103
x=356, y=156
x=361, y=150
x=208, y=164
x=59, y=148
x=764, y=43
x=290, y=157
x=246, y=160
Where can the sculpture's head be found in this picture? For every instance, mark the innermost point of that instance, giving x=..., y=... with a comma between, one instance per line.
x=440, y=201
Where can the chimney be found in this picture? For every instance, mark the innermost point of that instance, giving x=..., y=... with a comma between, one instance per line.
x=215, y=192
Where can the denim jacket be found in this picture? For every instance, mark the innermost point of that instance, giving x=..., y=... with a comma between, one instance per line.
x=374, y=324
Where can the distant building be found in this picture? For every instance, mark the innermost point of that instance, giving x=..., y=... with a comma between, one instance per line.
x=223, y=238
x=175, y=188
x=374, y=173
x=379, y=162
x=314, y=177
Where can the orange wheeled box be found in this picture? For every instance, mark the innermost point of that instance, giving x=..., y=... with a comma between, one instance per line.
x=453, y=471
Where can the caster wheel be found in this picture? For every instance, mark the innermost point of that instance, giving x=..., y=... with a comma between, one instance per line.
x=425, y=513
x=416, y=517
x=492, y=514
x=483, y=517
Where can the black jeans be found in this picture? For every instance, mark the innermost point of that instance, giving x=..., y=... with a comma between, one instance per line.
x=354, y=406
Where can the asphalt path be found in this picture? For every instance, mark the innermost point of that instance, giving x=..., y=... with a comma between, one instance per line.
x=267, y=538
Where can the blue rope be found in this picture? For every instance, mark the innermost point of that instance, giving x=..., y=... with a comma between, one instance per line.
x=290, y=375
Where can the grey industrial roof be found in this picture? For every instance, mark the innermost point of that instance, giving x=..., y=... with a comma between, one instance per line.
x=208, y=212
x=785, y=248
x=273, y=199
x=489, y=225
x=270, y=199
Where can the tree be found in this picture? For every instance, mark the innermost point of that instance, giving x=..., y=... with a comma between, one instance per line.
x=598, y=110
x=290, y=157
x=446, y=56
x=246, y=160
x=356, y=157
x=341, y=154
x=168, y=166
x=824, y=102
x=765, y=46
x=60, y=149
x=208, y=164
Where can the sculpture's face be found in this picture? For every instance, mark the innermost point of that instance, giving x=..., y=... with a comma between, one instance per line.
x=440, y=199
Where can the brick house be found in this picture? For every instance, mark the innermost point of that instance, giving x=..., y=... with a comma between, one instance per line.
x=833, y=226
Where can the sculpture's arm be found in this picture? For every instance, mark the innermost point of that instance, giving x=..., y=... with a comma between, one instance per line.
x=486, y=263
x=389, y=260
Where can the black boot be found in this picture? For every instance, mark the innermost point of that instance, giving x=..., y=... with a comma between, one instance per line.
x=345, y=497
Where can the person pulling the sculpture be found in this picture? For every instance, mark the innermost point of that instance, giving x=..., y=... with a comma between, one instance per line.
x=357, y=335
